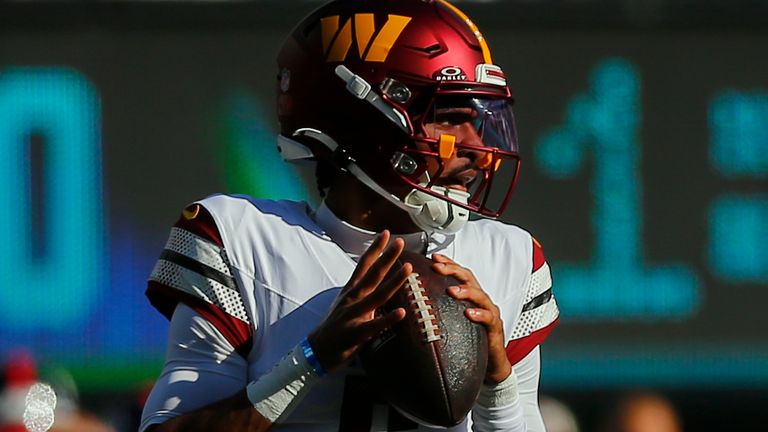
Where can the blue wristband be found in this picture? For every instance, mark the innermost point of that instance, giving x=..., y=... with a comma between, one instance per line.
x=306, y=348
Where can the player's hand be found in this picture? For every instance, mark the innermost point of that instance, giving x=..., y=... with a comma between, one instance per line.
x=352, y=320
x=486, y=313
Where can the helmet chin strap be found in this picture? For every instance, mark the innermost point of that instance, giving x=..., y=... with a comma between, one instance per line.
x=436, y=214
x=428, y=212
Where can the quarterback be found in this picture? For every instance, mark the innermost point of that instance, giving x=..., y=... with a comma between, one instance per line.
x=409, y=123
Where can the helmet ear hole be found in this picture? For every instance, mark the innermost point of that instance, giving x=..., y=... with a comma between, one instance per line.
x=404, y=164
x=409, y=165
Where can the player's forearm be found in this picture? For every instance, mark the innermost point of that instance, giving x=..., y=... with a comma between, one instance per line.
x=498, y=408
x=234, y=413
x=264, y=402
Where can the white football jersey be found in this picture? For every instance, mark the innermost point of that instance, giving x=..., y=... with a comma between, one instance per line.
x=266, y=272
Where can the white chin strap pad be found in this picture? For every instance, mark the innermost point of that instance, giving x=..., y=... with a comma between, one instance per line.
x=436, y=214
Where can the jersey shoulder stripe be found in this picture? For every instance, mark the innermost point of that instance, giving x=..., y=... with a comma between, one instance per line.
x=539, y=314
x=194, y=269
x=538, y=255
x=200, y=267
x=518, y=349
x=539, y=300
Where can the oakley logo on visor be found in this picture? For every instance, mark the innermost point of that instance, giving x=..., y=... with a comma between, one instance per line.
x=337, y=41
x=490, y=74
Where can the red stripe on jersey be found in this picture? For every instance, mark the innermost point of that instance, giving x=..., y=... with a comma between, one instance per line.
x=196, y=219
x=237, y=332
x=538, y=255
x=519, y=348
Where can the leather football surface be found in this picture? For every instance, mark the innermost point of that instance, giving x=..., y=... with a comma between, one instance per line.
x=430, y=365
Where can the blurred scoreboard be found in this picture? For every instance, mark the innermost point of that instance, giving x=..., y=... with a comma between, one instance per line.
x=645, y=176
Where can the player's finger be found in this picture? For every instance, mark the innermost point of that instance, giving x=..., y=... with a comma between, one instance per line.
x=377, y=325
x=379, y=269
x=442, y=258
x=489, y=320
x=480, y=316
x=450, y=268
x=473, y=294
x=370, y=256
x=388, y=288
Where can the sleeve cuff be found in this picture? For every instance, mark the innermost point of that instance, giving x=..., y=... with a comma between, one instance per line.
x=501, y=394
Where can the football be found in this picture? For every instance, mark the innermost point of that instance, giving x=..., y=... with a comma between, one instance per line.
x=429, y=366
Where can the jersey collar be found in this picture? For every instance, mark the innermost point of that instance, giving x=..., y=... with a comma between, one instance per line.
x=355, y=240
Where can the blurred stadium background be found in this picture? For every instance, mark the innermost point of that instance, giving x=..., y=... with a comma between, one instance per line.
x=644, y=131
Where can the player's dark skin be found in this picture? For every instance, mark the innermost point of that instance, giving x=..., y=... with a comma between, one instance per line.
x=352, y=321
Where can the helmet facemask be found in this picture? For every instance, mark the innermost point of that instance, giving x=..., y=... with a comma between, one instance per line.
x=465, y=142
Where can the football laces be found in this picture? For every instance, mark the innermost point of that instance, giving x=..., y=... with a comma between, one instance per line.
x=419, y=302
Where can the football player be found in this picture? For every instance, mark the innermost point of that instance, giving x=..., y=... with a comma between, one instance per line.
x=410, y=123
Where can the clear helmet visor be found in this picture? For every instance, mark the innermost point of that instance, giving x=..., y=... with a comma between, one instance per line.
x=469, y=144
x=491, y=120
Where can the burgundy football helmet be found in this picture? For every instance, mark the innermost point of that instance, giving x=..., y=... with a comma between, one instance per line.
x=392, y=91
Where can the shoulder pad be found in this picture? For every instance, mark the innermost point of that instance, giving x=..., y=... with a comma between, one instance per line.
x=194, y=269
